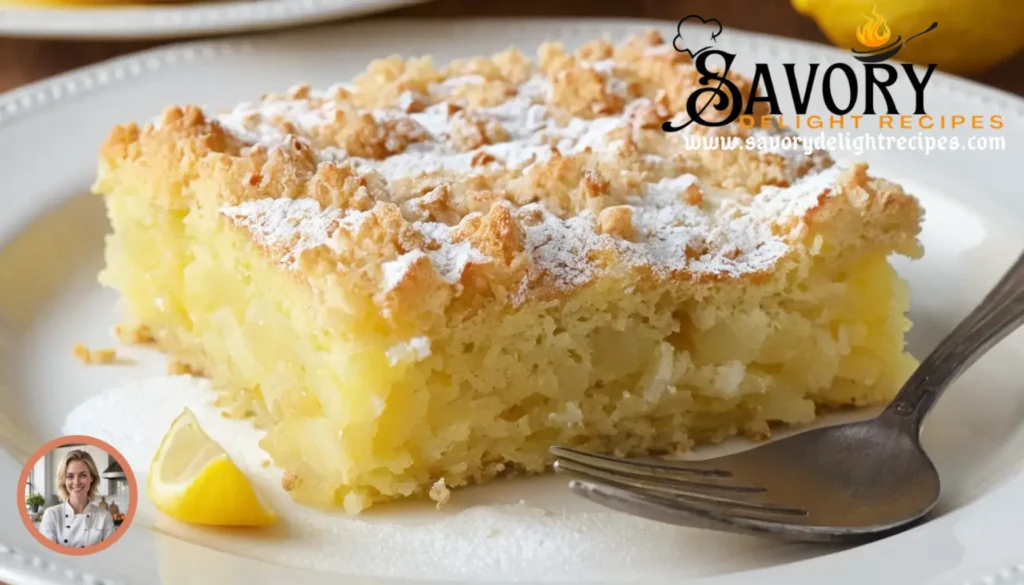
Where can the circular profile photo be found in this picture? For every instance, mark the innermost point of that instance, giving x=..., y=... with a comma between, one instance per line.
x=77, y=495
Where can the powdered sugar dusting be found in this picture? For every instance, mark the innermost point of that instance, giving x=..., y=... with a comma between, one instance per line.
x=419, y=159
x=725, y=236
x=560, y=247
x=415, y=349
x=581, y=134
x=527, y=122
x=353, y=220
x=261, y=123
x=613, y=84
x=294, y=224
x=674, y=235
x=453, y=83
x=797, y=199
x=395, y=270
x=535, y=88
x=434, y=231
x=450, y=259
x=732, y=238
x=406, y=99
x=665, y=49
x=434, y=119
x=604, y=66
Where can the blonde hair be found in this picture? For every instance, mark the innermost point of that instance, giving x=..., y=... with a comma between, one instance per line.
x=62, y=471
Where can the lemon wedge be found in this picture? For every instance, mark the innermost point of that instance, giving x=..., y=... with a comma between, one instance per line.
x=192, y=479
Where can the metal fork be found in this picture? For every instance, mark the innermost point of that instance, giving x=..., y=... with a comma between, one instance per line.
x=847, y=483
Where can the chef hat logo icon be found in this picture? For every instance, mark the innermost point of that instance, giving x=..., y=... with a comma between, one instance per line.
x=699, y=40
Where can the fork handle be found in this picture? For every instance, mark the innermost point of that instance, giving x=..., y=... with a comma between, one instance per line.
x=998, y=314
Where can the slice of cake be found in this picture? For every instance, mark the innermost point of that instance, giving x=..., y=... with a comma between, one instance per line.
x=436, y=274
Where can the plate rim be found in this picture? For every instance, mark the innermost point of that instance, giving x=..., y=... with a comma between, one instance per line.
x=35, y=98
x=152, y=59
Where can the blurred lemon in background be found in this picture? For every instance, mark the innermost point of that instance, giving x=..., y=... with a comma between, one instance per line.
x=971, y=36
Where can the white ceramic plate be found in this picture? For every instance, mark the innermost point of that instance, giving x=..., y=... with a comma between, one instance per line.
x=168, y=20
x=51, y=235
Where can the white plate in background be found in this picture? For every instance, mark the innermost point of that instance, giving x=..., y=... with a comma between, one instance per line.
x=51, y=234
x=164, y=19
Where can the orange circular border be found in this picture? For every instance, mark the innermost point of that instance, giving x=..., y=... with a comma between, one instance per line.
x=133, y=494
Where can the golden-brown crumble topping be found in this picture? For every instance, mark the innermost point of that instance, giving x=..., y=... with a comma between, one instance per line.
x=505, y=176
x=617, y=221
x=469, y=130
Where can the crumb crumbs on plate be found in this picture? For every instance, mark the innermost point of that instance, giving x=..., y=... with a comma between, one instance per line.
x=265, y=463
x=290, y=481
x=440, y=493
x=134, y=334
x=95, y=356
x=757, y=431
x=178, y=368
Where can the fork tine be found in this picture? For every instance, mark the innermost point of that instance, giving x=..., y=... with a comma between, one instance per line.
x=671, y=511
x=655, y=468
x=676, y=489
x=663, y=478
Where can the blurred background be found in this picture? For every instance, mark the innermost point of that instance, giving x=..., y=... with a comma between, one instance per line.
x=979, y=39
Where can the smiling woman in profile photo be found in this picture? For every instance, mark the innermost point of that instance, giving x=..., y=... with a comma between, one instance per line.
x=77, y=522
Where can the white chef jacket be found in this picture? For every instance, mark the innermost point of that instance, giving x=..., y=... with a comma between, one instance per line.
x=61, y=525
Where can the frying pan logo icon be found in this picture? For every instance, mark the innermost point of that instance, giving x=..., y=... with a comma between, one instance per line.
x=875, y=33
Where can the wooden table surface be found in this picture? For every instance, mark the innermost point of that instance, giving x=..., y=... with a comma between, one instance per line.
x=26, y=60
